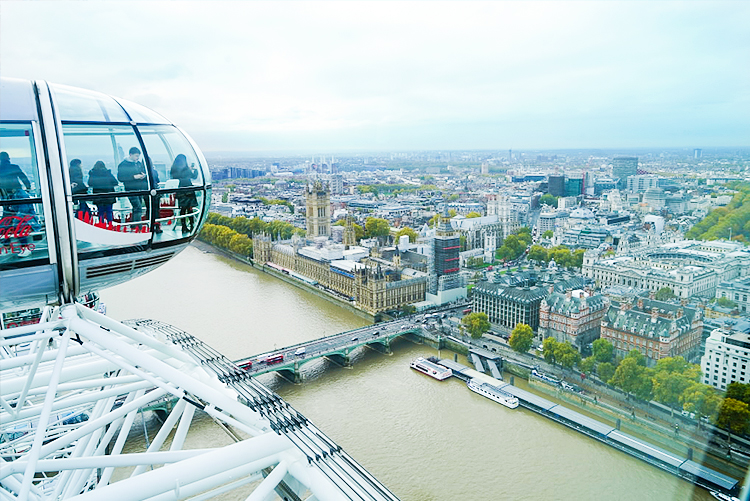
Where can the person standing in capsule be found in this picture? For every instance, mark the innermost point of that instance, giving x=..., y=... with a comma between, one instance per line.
x=186, y=200
x=101, y=180
x=78, y=187
x=132, y=174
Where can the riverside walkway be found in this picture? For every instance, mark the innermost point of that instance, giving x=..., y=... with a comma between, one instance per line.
x=668, y=461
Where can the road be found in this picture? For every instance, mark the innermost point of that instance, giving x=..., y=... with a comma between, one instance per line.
x=342, y=341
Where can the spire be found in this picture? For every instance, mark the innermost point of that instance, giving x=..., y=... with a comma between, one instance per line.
x=444, y=227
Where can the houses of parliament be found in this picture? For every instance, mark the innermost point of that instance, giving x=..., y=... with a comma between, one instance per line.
x=350, y=272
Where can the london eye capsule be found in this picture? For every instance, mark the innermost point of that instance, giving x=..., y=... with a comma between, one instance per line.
x=94, y=191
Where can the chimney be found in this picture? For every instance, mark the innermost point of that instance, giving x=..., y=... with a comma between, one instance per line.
x=568, y=293
x=652, y=295
x=640, y=303
x=654, y=313
x=680, y=312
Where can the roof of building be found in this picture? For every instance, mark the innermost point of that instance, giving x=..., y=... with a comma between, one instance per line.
x=559, y=302
x=512, y=293
x=637, y=317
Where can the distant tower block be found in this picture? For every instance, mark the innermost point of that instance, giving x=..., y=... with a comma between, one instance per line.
x=697, y=153
x=318, y=201
x=622, y=167
x=485, y=168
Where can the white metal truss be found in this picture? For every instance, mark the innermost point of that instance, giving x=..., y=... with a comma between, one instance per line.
x=72, y=386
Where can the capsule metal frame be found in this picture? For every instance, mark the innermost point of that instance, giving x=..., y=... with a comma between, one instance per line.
x=71, y=266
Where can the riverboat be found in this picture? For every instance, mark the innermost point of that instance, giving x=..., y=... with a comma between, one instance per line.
x=493, y=393
x=431, y=369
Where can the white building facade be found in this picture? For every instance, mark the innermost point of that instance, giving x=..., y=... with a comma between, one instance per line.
x=726, y=359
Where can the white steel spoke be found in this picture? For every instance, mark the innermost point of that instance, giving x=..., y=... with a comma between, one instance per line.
x=28, y=474
x=182, y=428
x=22, y=398
x=73, y=387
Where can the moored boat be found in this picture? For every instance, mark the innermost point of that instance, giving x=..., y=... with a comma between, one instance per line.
x=432, y=369
x=493, y=393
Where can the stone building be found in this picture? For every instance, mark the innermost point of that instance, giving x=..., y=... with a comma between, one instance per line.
x=689, y=268
x=574, y=316
x=654, y=328
x=726, y=358
x=507, y=306
x=516, y=297
x=736, y=290
x=368, y=284
x=318, y=205
x=507, y=218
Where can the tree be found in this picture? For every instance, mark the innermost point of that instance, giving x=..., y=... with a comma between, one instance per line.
x=548, y=199
x=476, y=323
x=632, y=377
x=726, y=302
x=678, y=365
x=567, y=355
x=473, y=214
x=664, y=294
x=734, y=416
x=637, y=356
x=561, y=255
x=548, y=234
x=701, y=399
x=605, y=371
x=739, y=391
x=549, y=349
x=408, y=309
x=407, y=231
x=521, y=338
x=576, y=260
x=587, y=365
x=538, y=253
x=359, y=232
x=668, y=387
x=225, y=197
x=377, y=227
x=603, y=350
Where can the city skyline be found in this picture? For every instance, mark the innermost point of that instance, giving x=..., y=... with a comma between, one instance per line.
x=404, y=76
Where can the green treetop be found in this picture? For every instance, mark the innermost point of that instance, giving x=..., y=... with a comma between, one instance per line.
x=521, y=338
x=476, y=323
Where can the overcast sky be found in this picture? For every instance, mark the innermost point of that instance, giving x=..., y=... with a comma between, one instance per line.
x=330, y=77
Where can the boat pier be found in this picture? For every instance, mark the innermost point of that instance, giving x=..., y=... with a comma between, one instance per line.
x=673, y=463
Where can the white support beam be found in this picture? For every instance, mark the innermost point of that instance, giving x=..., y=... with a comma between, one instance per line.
x=182, y=429
x=164, y=432
x=269, y=483
x=36, y=447
x=255, y=453
x=119, y=461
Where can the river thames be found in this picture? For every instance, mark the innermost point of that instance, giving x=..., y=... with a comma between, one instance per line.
x=424, y=439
